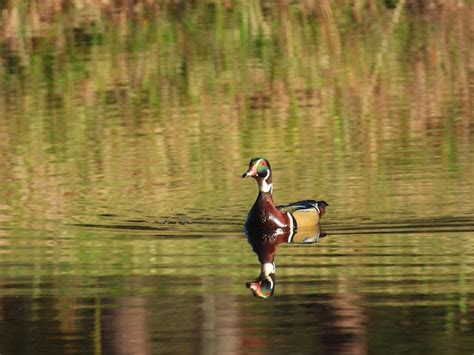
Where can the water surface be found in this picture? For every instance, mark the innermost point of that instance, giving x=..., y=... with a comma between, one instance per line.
x=123, y=135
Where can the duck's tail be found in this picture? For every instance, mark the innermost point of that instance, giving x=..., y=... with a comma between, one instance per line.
x=321, y=206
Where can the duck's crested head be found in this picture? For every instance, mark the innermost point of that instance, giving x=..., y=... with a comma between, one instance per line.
x=264, y=285
x=258, y=168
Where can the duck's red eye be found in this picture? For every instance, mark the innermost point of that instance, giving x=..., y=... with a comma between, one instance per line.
x=263, y=163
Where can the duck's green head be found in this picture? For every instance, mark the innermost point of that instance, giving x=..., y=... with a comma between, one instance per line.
x=259, y=168
x=264, y=285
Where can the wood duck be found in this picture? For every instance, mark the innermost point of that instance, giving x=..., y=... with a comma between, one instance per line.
x=265, y=217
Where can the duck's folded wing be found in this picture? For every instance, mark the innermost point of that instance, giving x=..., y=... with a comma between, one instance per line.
x=306, y=213
x=309, y=205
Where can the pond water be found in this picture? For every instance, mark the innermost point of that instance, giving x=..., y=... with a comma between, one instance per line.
x=123, y=135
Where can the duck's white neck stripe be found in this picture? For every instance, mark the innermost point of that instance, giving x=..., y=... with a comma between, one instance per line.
x=267, y=269
x=263, y=186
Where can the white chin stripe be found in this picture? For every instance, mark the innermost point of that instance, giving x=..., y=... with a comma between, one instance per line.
x=263, y=186
x=267, y=269
x=262, y=183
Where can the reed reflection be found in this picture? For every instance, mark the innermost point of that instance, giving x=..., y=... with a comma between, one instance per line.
x=264, y=243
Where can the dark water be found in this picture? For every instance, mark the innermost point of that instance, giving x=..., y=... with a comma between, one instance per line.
x=123, y=135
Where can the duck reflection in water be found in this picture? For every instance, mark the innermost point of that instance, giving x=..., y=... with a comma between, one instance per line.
x=264, y=244
x=269, y=225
